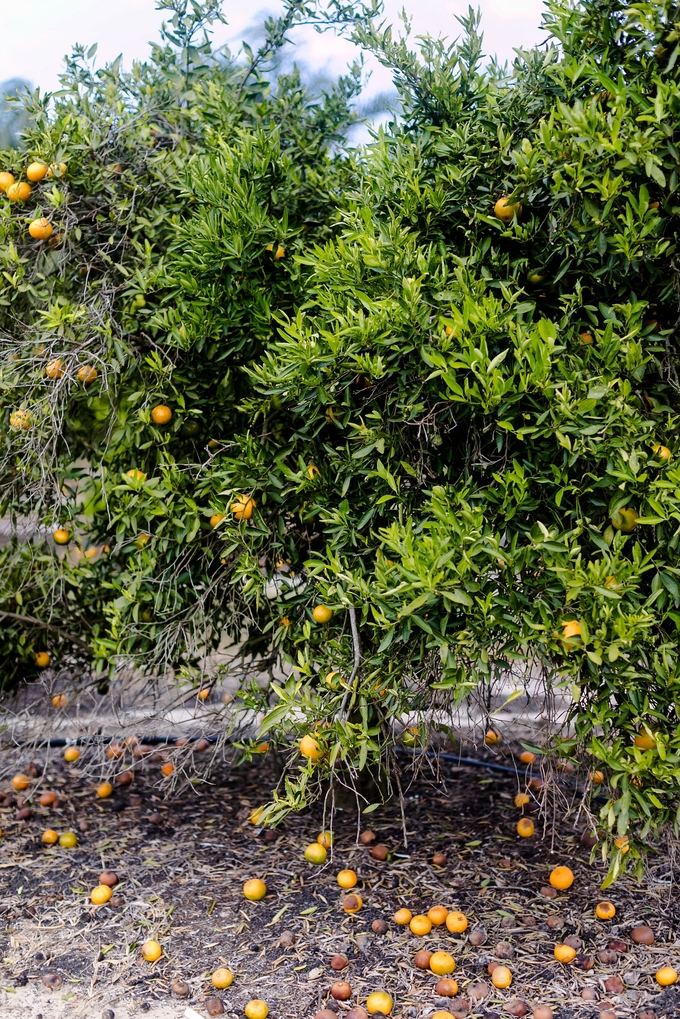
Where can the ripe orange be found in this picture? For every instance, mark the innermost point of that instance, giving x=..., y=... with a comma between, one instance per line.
x=645, y=740
x=622, y=843
x=403, y=916
x=316, y=854
x=525, y=827
x=242, y=507
x=501, y=977
x=564, y=953
x=6, y=180
x=456, y=922
x=663, y=452
x=60, y=700
x=222, y=978
x=42, y=660
x=21, y=782
x=61, y=536
x=492, y=738
x=55, y=369
x=561, y=878
x=114, y=751
x=379, y=1001
x=256, y=1009
x=352, y=903
x=104, y=790
x=521, y=800
x=50, y=836
x=605, y=910
x=135, y=474
x=20, y=420
x=167, y=769
x=666, y=976
x=280, y=252
x=310, y=748
x=420, y=925
x=87, y=374
x=586, y=338
x=40, y=229
x=161, y=414
x=438, y=915
x=48, y=799
x=321, y=613
x=348, y=879
x=216, y=519
x=71, y=754
x=151, y=950
x=325, y=839
x=100, y=895
x=203, y=694
x=443, y=1013
x=597, y=777
x=505, y=211
x=571, y=628
x=254, y=889
x=313, y=471
x=36, y=171
x=625, y=520
x=442, y=964
x=526, y=757
x=19, y=192
x=69, y=840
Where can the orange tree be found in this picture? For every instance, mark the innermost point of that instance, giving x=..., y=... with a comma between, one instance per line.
x=424, y=402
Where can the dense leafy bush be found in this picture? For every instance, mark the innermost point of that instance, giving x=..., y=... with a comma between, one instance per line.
x=456, y=418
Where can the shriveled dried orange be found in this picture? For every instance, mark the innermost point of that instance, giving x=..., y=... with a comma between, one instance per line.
x=347, y=878
x=501, y=977
x=254, y=889
x=403, y=916
x=437, y=915
x=564, y=953
x=442, y=964
x=447, y=987
x=561, y=878
x=525, y=827
x=100, y=895
x=352, y=903
x=420, y=925
x=456, y=922
x=605, y=910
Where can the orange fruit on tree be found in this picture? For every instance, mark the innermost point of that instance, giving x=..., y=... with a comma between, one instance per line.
x=313, y=471
x=167, y=769
x=60, y=700
x=42, y=660
x=625, y=520
x=403, y=916
x=254, y=889
x=501, y=977
x=325, y=839
x=456, y=922
x=316, y=854
x=68, y=840
x=666, y=976
x=21, y=782
x=420, y=925
x=442, y=963
x=36, y=171
x=40, y=229
x=571, y=628
x=61, y=536
x=104, y=790
x=256, y=1009
x=20, y=420
x=161, y=414
x=87, y=374
x=605, y=910
x=19, y=192
x=527, y=757
x=521, y=800
x=203, y=694
x=310, y=748
x=352, y=903
x=437, y=915
x=242, y=507
x=321, y=614
x=135, y=474
x=586, y=338
x=50, y=836
x=151, y=950
x=561, y=878
x=347, y=879
x=100, y=895
x=506, y=210
x=492, y=738
x=525, y=827
x=6, y=180
x=622, y=843
x=216, y=519
x=255, y=815
x=663, y=452
x=597, y=777
x=222, y=978
x=564, y=953
x=55, y=369
x=379, y=1001
x=645, y=740
x=71, y=754
x=53, y=168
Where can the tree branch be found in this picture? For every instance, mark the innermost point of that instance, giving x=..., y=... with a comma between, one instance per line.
x=70, y=637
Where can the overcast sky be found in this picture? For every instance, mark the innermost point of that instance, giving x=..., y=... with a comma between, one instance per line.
x=35, y=35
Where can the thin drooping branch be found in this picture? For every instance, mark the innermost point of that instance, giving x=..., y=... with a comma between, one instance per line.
x=47, y=626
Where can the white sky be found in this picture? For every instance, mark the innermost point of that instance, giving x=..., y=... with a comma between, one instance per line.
x=35, y=35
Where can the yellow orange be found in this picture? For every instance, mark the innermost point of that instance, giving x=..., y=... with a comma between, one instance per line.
x=325, y=839
x=379, y=1001
x=50, y=836
x=561, y=878
x=310, y=748
x=21, y=782
x=663, y=452
x=571, y=628
x=438, y=915
x=492, y=738
x=526, y=757
x=71, y=754
x=55, y=369
x=20, y=420
x=456, y=922
x=242, y=507
x=40, y=229
x=161, y=414
x=6, y=180
x=321, y=613
x=42, y=660
x=521, y=800
x=347, y=878
x=442, y=964
x=61, y=536
x=666, y=976
x=525, y=827
x=36, y=171
x=68, y=840
x=605, y=910
x=222, y=978
x=564, y=953
x=403, y=916
x=316, y=854
x=625, y=520
x=216, y=519
x=135, y=474
x=420, y=925
x=100, y=895
x=87, y=374
x=501, y=977
x=151, y=950
x=256, y=1009
x=104, y=790
x=645, y=741
x=254, y=889
x=167, y=769
x=19, y=192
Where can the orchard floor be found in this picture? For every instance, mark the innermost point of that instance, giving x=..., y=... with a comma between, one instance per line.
x=182, y=864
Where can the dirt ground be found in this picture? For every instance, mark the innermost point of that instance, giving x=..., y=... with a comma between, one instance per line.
x=182, y=863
